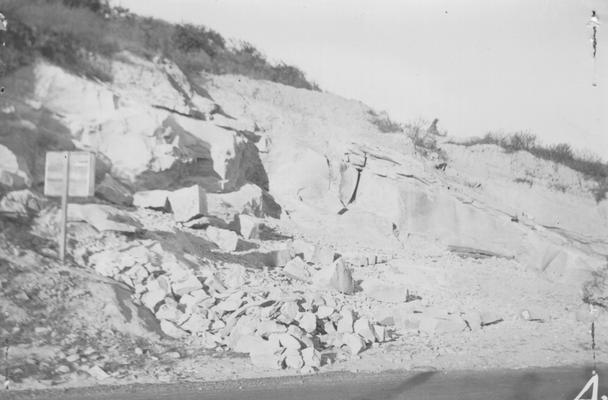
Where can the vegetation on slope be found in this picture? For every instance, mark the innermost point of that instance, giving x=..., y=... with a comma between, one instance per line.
x=70, y=32
x=590, y=166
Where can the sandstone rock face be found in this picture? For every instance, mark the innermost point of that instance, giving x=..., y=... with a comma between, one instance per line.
x=162, y=119
x=401, y=191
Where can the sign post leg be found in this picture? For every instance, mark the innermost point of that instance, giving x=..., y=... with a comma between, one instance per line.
x=64, y=207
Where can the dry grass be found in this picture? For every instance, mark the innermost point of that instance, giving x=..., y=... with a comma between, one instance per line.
x=67, y=31
x=589, y=165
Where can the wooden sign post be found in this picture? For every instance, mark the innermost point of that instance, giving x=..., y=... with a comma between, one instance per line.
x=68, y=174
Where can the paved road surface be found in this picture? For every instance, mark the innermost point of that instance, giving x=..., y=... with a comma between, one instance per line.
x=529, y=384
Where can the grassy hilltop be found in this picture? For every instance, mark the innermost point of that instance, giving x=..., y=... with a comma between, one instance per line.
x=70, y=32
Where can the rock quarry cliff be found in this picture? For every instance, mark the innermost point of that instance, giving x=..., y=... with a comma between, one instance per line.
x=236, y=216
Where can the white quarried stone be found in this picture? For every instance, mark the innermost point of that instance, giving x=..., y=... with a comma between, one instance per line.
x=251, y=344
x=323, y=255
x=232, y=302
x=308, y=322
x=379, y=333
x=172, y=330
x=346, y=322
x=186, y=283
x=98, y=373
x=268, y=327
x=298, y=269
x=245, y=326
x=293, y=359
x=236, y=276
x=196, y=324
x=154, y=199
x=329, y=327
x=157, y=290
x=324, y=312
x=354, y=343
x=363, y=328
x=288, y=341
x=169, y=312
x=193, y=298
x=188, y=203
x=311, y=357
x=249, y=227
x=268, y=361
x=289, y=311
x=223, y=238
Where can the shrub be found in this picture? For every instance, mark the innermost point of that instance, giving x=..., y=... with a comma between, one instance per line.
x=383, y=122
x=67, y=31
x=423, y=142
x=601, y=190
x=589, y=165
x=527, y=181
x=189, y=38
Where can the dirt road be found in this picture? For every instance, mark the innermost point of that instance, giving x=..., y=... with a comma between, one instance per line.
x=553, y=383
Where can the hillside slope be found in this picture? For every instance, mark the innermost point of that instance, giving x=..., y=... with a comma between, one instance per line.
x=234, y=214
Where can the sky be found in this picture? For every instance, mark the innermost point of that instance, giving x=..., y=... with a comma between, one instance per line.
x=477, y=65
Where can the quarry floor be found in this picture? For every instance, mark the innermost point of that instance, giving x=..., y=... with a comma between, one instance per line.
x=54, y=320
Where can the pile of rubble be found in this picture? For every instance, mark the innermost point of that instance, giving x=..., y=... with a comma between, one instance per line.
x=226, y=306
x=276, y=329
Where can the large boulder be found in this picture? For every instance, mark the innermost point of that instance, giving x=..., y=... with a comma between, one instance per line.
x=174, y=149
x=249, y=227
x=224, y=239
x=14, y=173
x=188, y=203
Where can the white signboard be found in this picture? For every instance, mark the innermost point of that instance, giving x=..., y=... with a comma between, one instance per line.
x=81, y=173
